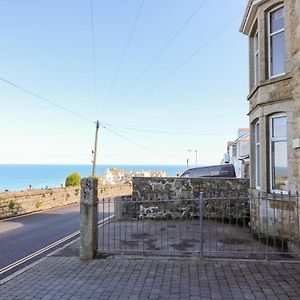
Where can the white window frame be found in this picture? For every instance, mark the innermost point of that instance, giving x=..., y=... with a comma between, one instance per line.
x=234, y=150
x=271, y=139
x=256, y=58
x=269, y=40
x=257, y=155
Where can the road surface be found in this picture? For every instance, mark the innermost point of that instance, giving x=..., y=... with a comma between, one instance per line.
x=22, y=238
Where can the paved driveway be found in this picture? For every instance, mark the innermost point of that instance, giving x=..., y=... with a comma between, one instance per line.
x=136, y=277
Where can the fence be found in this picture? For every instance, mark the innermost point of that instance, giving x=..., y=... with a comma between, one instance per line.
x=209, y=226
x=275, y=219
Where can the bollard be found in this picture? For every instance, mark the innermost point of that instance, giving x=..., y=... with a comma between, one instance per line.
x=88, y=218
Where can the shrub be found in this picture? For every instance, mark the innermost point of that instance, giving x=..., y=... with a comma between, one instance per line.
x=14, y=206
x=11, y=205
x=38, y=204
x=73, y=179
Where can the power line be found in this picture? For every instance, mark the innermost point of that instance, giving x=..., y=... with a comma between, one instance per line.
x=129, y=140
x=94, y=54
x=166, y=132
x=170, y=140
x=74, y=113
x=124, y=53
x=160, y=52
x=104, y=125
x=179, y=66
x=45, y=99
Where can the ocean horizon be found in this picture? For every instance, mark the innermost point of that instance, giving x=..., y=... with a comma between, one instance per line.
x=18, y=177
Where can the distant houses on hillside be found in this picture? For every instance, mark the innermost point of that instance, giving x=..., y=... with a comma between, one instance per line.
x=116, y=176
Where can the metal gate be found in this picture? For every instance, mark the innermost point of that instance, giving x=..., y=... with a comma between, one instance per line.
x=235, y=227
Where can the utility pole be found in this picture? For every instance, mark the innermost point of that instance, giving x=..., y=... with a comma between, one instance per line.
x=196, y=153
x=95, y=149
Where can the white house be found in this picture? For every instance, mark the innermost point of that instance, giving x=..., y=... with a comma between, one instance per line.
x=238, y=153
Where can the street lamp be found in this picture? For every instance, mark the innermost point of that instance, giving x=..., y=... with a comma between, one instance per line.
x=196, y=155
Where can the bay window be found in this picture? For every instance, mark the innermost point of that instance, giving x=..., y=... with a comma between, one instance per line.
x=257, y=155
x=276, y=42
x=256, y=59
x=278, y=153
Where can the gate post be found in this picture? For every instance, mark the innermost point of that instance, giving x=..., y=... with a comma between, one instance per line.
x=201, y=203
x=88, y=218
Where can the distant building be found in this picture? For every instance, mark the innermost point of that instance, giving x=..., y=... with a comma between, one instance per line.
x=238, y=153
x=115, y=176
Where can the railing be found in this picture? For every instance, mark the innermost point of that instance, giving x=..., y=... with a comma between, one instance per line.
x=275, y=219
x=236, y=226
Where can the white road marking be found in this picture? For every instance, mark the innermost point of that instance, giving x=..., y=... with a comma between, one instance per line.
x=68, y=237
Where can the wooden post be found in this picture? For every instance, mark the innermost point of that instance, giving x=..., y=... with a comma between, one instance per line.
x=95, y=150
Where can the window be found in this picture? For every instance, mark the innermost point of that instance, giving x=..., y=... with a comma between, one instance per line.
x=234, y=151
x=257, y=155
x=256, y=59
x=276, y=42
x=278, y=153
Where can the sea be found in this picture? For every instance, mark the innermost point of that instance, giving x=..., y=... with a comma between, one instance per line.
x=20, y=177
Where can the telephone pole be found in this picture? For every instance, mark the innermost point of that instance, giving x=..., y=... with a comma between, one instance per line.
x=196, y=153
x=95, y=149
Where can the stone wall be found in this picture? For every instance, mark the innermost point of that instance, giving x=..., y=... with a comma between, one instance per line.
x=275, y=215
x=223, y=198
x=164, y=188
x=18, y=203
x=108, y=191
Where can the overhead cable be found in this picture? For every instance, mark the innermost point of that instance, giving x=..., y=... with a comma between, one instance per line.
x=45, y=99
x=160, y=52
x=178, y=67
x=167, y=132
x=129, y=140
x=94, y=54
x=115, y=77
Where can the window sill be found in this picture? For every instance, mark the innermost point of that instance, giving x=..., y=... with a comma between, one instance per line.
x=268, y=81
x=279, y=192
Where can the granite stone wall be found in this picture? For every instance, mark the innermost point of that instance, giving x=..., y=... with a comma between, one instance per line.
x=223, y=198
x=275, y=215
x=19, y=203
x=164, y=188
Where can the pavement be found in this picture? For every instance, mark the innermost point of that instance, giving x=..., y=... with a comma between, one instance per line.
x=63, y=275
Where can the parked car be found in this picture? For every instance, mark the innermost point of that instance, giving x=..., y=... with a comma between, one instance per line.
x=226, y=170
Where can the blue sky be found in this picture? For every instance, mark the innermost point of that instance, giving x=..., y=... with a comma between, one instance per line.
x=46, y=47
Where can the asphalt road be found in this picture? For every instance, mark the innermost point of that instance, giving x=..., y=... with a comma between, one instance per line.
x=23, y=236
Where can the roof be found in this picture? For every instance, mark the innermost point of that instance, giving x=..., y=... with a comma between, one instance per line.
x=249, y=15
x=242, y=132
x=246, y=15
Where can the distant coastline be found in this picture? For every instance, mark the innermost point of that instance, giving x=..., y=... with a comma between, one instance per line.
x=17, y=177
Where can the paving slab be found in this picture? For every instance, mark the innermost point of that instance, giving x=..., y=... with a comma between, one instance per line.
x=143, y=277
